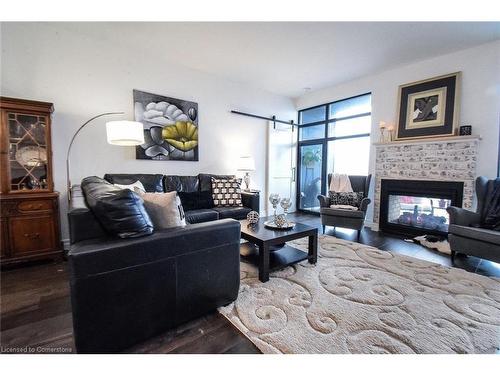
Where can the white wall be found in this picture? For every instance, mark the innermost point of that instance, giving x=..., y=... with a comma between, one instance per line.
x=84, y=77
x=480, y=97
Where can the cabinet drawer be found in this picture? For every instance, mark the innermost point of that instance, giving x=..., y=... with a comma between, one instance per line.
x=32, y=234
x=30, y=206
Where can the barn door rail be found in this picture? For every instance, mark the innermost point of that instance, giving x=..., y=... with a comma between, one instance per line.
x=273, y=119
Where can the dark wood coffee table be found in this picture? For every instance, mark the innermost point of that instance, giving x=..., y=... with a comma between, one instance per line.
x=265, y=246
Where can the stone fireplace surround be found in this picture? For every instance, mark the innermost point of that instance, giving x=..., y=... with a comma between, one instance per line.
x=436, y=159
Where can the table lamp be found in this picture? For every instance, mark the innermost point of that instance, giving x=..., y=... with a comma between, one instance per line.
x=246, y=164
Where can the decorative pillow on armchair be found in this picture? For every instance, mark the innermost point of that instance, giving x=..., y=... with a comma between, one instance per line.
x=346, y=199
x=227, y=192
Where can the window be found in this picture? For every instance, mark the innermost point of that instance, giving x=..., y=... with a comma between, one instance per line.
x=350, y=127
x=351, y=107
x=333, y=138
x=310, y=115
x=349, y=156
x=311, y=132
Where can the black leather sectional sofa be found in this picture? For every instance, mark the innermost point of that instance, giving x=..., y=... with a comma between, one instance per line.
x=83, y=224
x=188, y=184
x=124, y=291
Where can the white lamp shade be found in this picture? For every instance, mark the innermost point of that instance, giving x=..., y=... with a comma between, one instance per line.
x=125, y=133
x=246, y=163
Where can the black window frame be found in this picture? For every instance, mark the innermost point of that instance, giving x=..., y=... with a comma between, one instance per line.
x=323, y=141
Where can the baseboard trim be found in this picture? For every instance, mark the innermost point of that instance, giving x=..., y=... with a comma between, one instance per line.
x=373, y=226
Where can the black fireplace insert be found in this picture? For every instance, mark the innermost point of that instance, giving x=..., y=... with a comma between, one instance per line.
x=416, y=207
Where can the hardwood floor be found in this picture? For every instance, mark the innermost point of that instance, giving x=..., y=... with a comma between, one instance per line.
x=36, y=310
x=36, y=318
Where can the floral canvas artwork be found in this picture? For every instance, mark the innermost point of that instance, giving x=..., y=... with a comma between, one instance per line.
x=170, y=127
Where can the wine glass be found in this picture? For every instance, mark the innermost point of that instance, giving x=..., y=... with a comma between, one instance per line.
x=286, y=203
x=274, y=199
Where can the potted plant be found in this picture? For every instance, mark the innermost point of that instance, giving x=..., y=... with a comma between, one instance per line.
x=310, y=158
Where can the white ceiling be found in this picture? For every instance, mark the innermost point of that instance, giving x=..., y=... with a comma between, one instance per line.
x=284, y=58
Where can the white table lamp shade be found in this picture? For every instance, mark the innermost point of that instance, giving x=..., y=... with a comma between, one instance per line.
x=125, y=133
x=246, y=163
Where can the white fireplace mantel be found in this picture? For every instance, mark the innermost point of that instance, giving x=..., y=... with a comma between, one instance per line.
x=434, y=159
x=453, y=139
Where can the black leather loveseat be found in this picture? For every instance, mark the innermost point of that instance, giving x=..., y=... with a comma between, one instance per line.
x=124, y=291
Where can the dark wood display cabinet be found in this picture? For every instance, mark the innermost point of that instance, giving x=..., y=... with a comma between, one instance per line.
x=29, y=213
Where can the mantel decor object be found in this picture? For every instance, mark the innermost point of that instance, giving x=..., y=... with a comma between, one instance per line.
x=465, y=130
x=381, y=126
x=390, y=133
x=429, y=108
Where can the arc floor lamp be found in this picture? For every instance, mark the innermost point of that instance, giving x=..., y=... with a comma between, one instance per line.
x=120, y=133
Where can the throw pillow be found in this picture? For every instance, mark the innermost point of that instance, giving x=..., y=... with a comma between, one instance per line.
x=165, y=209
x=350, y=199
x=196, y=200
x=227, y=192
x=120, y=211
x=136, y=187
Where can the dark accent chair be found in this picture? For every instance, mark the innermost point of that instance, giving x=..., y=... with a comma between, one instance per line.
x=464, y=235
x=346, y=218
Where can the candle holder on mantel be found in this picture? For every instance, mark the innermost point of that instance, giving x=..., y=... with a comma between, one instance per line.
x=382, y=127
x=390, y=133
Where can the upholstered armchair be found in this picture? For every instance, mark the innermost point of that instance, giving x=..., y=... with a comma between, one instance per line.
x=346, y=218
x=464, y=235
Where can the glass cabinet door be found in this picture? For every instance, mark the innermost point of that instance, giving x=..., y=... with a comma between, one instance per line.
x=28, y=161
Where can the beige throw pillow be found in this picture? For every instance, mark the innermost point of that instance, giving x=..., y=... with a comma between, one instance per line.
x=164, y=209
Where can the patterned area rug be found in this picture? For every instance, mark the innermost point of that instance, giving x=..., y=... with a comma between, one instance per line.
x=358, y=299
